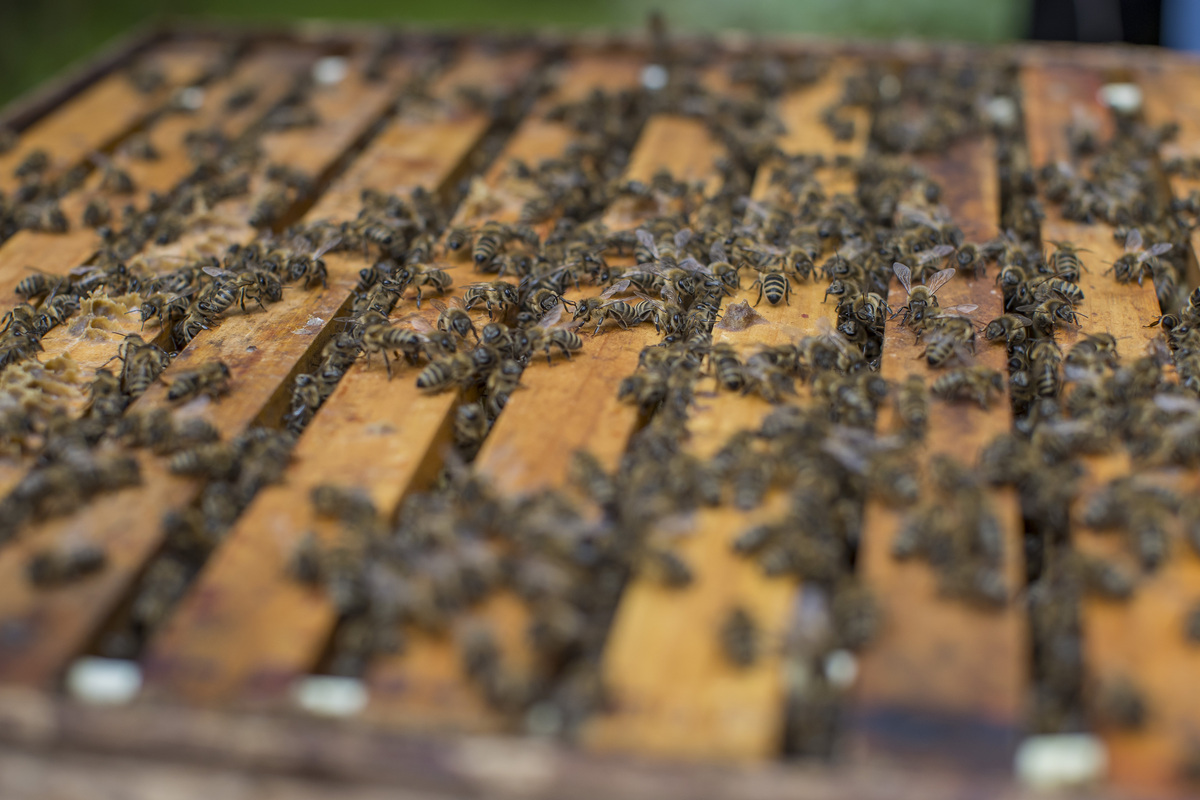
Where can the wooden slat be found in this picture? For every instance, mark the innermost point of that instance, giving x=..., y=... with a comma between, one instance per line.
x=674, y=694
x=272, y=71
x=271, y=629
x=247, y=625
x=426, y=685
x=52, y=626
x=945, y=680
x=1171, y=93
x=103, y=113
x=1141, y=640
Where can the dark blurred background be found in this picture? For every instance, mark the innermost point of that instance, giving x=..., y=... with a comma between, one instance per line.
x=40, y=37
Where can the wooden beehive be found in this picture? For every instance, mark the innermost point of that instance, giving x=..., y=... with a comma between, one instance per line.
x=939, y=706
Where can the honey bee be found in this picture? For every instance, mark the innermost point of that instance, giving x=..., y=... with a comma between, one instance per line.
x=57, y=565
x=920, y=298
x=96, y=213
x=949, y=336
x=446, y=372
x=211, y=379
x=1048, y=313
x=548, y=334
x=775, y=286
x=454, y=319
x=141, y=364
x=969, y=383
x=727, y=367
x=1137, y=263
x=470, y=425
x=1013, y=327
x=912, y=406
x=495, y=295
x=740, y=638
x=437, y=280
x=380, y=336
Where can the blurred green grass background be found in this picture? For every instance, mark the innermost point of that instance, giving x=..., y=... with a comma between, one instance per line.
x=41, y=37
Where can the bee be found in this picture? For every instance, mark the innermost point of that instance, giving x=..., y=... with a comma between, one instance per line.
x=445, y=372
x=969, y=383
x=115, y=180
x=488, y=241
x=96, y=213
x=1013, y=327
x=454, y=319
x=969, y=260
x=1137, y=263
x=35, y=163
x=1045, y=358
x=310, y=267
x=727, y=367
x=912, y=406
x=670, y=569
x=380, y=336
x=920, y=298
x=435, y=279
x=37, y=285
x=949, y=336
x=495, y=295
x=215, y=460
x=1046, y=314
x=546, y=335
x=1051, y=285
x=775, y=286
x=739, y=638
x=211, y=379
x=56, y=565
x=470, y=425
x=141, y=148
x=501, y=383
x=1065, y=263
x=141, y=364
x=45, y=216
x=107, y=400
x=167, y=309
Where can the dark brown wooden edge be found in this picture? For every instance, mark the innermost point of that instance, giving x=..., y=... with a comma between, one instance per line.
x=357, y=754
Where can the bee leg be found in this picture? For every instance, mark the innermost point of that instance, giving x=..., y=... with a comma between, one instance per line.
x=418, y=297
x=387, y=363
x=760, y=294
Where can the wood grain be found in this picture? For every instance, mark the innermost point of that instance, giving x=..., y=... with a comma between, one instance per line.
x=1142, y=639
x=945, y=680
x=675, y=695
x=247, y=622
x=51, y=627
x=101, y=114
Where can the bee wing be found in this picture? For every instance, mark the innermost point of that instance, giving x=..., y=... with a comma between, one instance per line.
x=939, y=279
x=552, y=317
x=1133, y=240
x=647, y=240
x=217, y=272
x=904, y=274
x=439, y=306
x=717, y=252
x=936, y=254
x=960, y=310
x=1024, y=320
x=825, y=328
x=682, y=238
x=616, y=288
x=1174, y=403
x=420, y=324
x=692, y=265
x=325, y=248
x=1156, y=250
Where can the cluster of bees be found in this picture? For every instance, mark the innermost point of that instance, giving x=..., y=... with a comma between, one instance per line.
x=550, y=281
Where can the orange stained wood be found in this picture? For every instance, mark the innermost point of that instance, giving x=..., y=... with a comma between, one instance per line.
x=577, y=400
x=57, y=253
x=398, y=684
x=1171, y=93
x=54, y=626
x=945, y=680
x=271, y=71
x=389, y=436
x=1141, y=640
x=674, y=693
x=104, y=112
x=248, y=626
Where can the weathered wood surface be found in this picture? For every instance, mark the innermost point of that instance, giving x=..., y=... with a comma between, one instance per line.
x=50, y=627
x=398, y=684
x=101, y=114
x=945, y=680
x=247, y=622
x=674, y=693
x=1143, y=639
